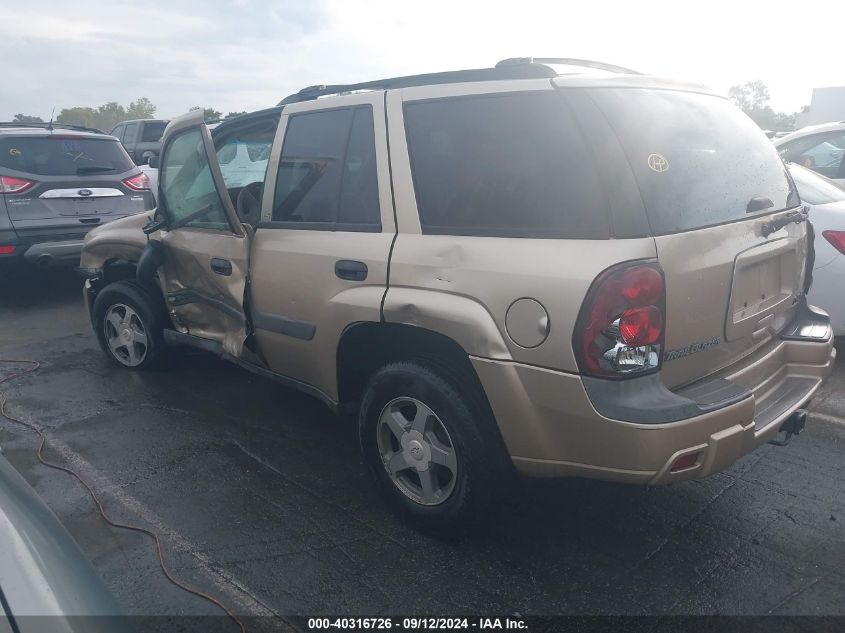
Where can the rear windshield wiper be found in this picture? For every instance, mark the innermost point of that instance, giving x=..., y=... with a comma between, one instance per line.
x=93, y=170
x=758, y=204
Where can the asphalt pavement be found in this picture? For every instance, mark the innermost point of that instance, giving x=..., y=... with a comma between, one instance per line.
x=260, y=498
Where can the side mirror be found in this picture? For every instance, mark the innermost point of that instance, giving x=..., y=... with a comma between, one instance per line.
x=157, y=223
x=152, y=161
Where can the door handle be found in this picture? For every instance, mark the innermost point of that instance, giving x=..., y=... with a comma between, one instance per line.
x=351, y=270
x=89, y=220
x=221, y=266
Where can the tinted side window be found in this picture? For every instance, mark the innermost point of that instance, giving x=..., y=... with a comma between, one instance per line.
x=308, y=183
x=359, y=184
x=130, y=133
x=504, y=165
x=327, y=171
x=152, y=131
x=118, y=132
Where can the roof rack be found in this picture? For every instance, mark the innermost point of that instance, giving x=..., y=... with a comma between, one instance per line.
x=566, y=61
x=50, y=126
x=526, y=71
x=512, y=68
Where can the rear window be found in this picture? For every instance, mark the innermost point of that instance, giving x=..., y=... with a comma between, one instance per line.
x=511, y=165
x=697, y=159
x=64, y=156
x=153, y=131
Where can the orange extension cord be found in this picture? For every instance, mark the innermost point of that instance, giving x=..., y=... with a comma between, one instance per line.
x=33, y=365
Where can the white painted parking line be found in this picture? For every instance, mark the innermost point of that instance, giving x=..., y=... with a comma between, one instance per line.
x=235, y=590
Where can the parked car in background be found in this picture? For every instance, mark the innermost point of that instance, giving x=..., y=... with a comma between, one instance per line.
x=827, y=199
x=42, y=570
x=817, y=147
x=141, y=138
x=574, y=273
x=56, y=184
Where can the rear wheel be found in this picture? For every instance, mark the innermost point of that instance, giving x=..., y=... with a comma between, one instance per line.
x=432, y=450
x=128, y=325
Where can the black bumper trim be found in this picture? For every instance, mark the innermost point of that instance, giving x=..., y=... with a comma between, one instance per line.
x=646, y=400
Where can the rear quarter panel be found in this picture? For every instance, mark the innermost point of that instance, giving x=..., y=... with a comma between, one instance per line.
x=463, y=286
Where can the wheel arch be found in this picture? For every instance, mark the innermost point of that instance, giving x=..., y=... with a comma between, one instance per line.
x=364, y=347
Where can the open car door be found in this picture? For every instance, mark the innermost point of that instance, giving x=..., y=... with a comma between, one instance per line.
x=206, y=248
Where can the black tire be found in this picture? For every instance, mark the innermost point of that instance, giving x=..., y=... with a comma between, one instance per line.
x=149, y=313
x=481, y=459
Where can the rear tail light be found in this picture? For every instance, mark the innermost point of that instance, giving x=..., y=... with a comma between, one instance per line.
x=139, y=183
x=837, y=239
x=10, y=184
x=620, y=328
x=7, y=250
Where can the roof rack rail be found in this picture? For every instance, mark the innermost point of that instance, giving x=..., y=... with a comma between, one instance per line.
x=50, y=126
x=566, y=61
x=523, y=71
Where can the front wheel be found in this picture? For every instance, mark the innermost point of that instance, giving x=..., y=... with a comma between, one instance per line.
x=431, y=447
x=127, y=325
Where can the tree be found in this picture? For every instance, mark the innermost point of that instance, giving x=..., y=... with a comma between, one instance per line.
x=143, y=108
x=26, y=118
x=232, y=115
x=77, y=116
x=110, y=114
x=106, y=116
x=750, y=96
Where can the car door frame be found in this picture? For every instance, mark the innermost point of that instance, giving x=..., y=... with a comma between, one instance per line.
x=211, y=310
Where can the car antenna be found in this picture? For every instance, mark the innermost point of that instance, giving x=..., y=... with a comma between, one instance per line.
x=50, y=124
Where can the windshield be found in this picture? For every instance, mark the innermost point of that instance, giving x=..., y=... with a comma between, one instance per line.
x=814, y=188
x=64, y=155
x=697, y=159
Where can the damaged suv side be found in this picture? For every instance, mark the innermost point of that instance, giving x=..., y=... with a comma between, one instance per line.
x=597, y=275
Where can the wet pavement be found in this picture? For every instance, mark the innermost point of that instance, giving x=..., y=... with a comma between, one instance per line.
x=261, y=499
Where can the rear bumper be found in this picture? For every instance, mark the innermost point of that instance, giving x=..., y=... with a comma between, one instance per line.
x=552, y=428
x=64, y=252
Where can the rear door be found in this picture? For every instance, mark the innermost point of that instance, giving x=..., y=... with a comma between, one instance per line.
x=206, y=247
x=130, y=140
x=319, y=261
x=712, y=185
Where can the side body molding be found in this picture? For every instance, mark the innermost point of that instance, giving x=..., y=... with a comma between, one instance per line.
x=460, y=318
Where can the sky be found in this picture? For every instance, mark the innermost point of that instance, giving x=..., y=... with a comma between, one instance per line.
x=248, y=54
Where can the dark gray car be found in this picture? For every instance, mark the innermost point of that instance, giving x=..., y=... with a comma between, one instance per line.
x=46, y=583
x=56, y=184
x=141, y=138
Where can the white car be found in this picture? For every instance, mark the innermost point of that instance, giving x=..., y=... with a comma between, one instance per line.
x=827, y=213
x=817, y=147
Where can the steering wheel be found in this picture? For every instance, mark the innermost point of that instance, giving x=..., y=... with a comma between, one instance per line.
x=248, y=204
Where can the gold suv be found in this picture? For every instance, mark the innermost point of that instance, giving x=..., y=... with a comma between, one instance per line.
x=581, y=272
